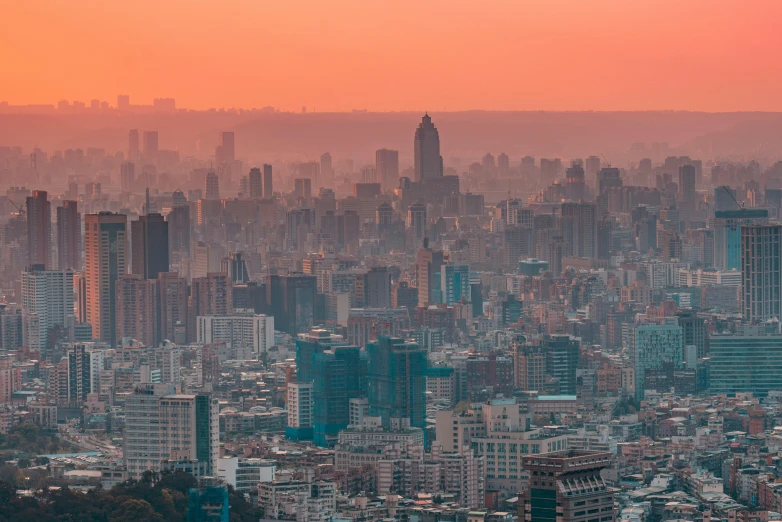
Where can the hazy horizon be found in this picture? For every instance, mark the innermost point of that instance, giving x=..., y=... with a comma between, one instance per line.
x=563, y=55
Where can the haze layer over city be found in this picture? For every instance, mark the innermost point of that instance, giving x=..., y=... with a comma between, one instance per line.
x=368, y=261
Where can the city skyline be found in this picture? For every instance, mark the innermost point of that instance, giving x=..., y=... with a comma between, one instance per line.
x=563, y=55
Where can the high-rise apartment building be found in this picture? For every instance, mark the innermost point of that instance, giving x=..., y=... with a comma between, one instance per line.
x=396, y=381
x=428, y=263
x=69, y=236
x=562, y=356
x=134, y=149
x=687, y=193
x=227, y=148
x=127, y=176
x=179, y=228
x=339, y=374
x=136, y=309
x=149, y=236
x=39, y=229
x=47, y=303
x=178, y=428
x=579, y=227
x=212, y=294
x=172, y=307
x=761, y=272
x=387, y=168
x=427, y=160
x=105, y=245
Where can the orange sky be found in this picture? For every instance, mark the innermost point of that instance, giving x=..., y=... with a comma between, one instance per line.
x=714, y=55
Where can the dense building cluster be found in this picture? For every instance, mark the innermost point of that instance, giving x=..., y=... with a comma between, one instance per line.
x=412, y=341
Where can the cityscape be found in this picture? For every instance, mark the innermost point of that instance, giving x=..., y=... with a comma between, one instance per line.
x=241, y=311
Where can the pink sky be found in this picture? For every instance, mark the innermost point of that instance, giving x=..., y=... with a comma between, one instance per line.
x=712, y=55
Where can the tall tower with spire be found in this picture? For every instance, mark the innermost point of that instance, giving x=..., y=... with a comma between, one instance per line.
x=428, y=162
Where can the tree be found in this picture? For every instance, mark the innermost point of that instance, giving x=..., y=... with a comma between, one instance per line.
x=135, y=510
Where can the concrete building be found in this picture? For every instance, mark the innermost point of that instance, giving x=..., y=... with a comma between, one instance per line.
x=252, y=332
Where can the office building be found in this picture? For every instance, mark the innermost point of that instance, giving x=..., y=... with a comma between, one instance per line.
x=47, y=303
x=151, y=148
x=727, y=234
x=416, y=220
x=377, y=288
x=396, y=381
x=562, y=355
x=268, y=186
x=566, y=486
x=136, y=309
x=150, y=250
x=227, y=148
x=427, y=160
x=428, y=264
x=255, y=183
x=39, y=229
x=387, y=168
x=211, y=186
x=656, y=344
x=687, y=193
x=105, y=245
x=127, y=176
x=454, y=283
x=134, y=148
x=749, y=361
x=68, y=236
x=179, y=229
x=291, y=300
x=326, y=168
x=693, y=332
x=761, y=272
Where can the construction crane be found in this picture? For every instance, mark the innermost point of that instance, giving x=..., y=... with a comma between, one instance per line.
x=608, y=163
x=727, y=189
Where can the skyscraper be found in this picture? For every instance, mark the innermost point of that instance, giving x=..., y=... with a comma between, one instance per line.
x=749, y=361
x=149, y=252
x=562, y=355
x=137, y=306
x=150, y=145
x=387, y=168
x=227, y=147
x=416, y=220
x=396, y=381
x=268, y=187
x=428, y=263
x=179, y=228
x=127, y=176
x=339, y=375
x=761, y=272
x=687, y=185
x=580, y=229
x=172, y=307
x=133, y=145
x=291, y=300
x=427, y=160
x=47, y=302
x=727, y=234
x=69, y=236
x=326, y=168
x=105, y=245
x=255, y=182
x=39, y=229
x=656, y=344
x=212, y=186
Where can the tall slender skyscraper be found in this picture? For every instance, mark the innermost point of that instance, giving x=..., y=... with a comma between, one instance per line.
x=149, y=252
x=428, y=162
x=134, y=151
x=268, y=188
x=105, y=245
x=761, y=272
x=69, y=236
x=39, y=229
x=127, y=176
